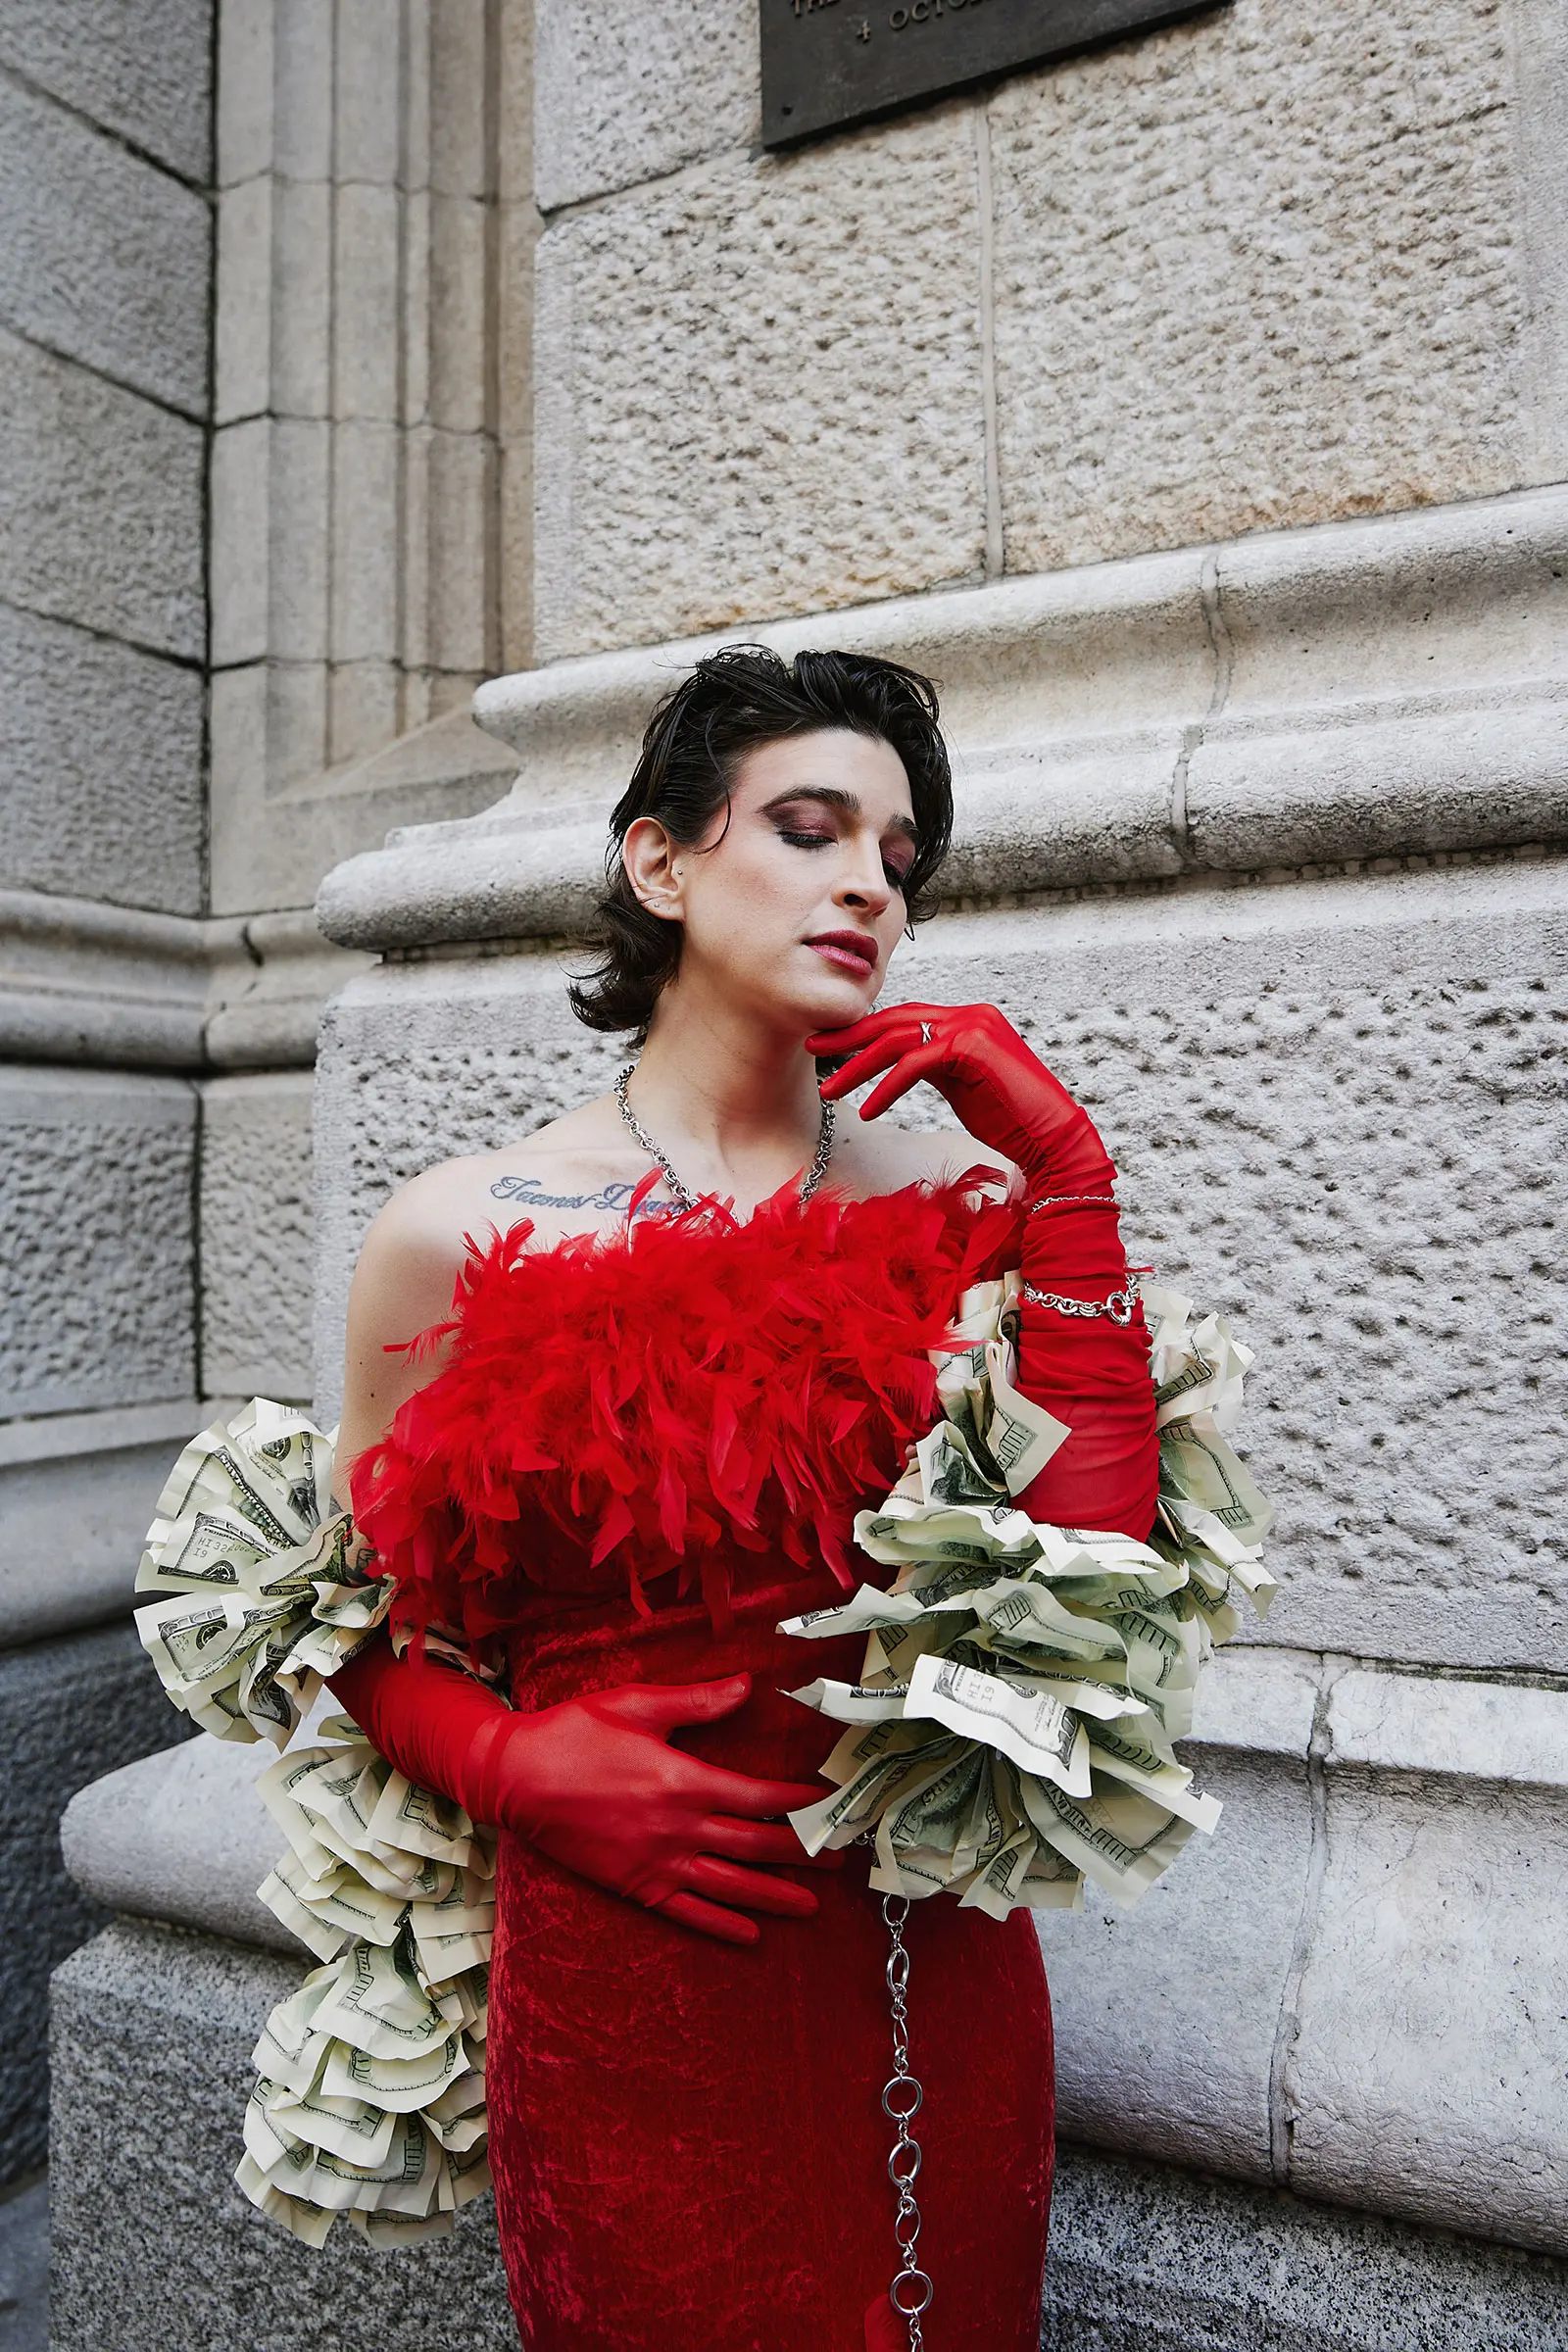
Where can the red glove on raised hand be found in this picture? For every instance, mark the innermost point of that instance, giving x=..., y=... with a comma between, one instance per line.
x=1090, y=1370
x=1004, y=1094
x=593, y=1784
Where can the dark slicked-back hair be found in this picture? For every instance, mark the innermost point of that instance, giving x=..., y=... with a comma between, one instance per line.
x=732, y=704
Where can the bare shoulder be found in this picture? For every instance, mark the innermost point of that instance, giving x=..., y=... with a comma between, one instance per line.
x=573, y=1175
x=880, y=1157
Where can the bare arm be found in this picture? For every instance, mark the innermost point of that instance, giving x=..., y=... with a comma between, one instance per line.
x=404, y=1282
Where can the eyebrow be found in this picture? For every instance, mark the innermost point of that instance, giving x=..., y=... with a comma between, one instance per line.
x=833, y=796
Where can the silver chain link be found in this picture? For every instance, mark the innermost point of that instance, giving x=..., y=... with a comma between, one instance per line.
x=902, y=2098
x=1118, y=1306
x=677, y=1190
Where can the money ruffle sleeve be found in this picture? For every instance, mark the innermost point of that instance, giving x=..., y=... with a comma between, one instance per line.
x=1012, y=1733
x=370, y=2096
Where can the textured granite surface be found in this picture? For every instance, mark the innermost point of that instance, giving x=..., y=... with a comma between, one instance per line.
x=153, y=2245
x=70, y=1709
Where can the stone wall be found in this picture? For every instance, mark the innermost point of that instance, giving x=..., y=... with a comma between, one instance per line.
x=1194, y=412
x=105, y=281
x=226, y=659
x=1319, y=240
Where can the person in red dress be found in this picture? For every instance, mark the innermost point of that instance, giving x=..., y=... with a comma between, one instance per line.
x=631, y=1441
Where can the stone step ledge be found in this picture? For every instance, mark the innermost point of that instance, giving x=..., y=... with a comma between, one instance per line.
x=63, y=1569
x=1381, y=688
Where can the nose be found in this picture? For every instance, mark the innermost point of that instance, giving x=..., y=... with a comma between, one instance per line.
x=863, y=881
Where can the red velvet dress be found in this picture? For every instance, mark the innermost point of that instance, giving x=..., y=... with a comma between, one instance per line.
x=643, y=1455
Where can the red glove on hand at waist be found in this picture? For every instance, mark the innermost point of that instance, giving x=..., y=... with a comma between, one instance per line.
x=593, y=1784
x=1090, y=1371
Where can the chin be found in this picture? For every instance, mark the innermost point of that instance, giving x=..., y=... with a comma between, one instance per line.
x=805, y=1000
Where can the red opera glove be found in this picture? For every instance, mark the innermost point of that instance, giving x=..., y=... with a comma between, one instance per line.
x=1004, y=1094
x=1089, y=1369
x=593, y=1784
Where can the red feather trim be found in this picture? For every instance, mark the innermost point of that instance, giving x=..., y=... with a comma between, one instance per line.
x=666, y=1397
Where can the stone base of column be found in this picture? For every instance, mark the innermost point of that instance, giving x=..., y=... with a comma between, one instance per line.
x=153, y=2245
x=71, y=1708
x=1170, y=2262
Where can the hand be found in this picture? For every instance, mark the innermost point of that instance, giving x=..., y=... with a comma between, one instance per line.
x=593, y=1784
x=976, y=1059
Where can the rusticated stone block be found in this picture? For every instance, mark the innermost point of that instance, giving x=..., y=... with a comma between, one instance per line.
x=604, y=79
x=152, y=2032
x=1249, y=272
x=256, y=1235
x=104, y=258
x=760, y=390
x=70, y=1710
x=142, y=67
x=1167, y=2016
x=95, y=1205
x=109, y=811
x=1432, y=2044
x=1170, y=2262
x=101, y=504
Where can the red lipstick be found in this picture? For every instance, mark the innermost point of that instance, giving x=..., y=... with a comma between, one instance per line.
x=851, y=951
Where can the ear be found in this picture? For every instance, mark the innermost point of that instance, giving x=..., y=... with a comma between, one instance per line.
x=649, y=857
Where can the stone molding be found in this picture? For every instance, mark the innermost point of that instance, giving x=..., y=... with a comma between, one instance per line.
x=1361, y=690
x=371, y=373
x=82, y=982
x=184, y=1838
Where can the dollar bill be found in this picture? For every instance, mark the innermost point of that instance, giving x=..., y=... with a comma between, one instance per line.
x=1020, y=1437
x=1197, y=1467
x=1120, y=1840
x=1030, y=1726
x=854, y=1703
x=404, y=2086
x=378, y=2004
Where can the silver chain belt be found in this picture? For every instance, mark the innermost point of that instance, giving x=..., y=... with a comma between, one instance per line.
x=903, y=2097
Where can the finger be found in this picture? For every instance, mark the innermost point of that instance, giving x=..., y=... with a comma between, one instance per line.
x=708, y=1919
x=922, y=1063
x=755, y=1888
x=763, y=1841
x=829, y=1043
x=662, y=1706
x=719, y=1790
x=879, y=1055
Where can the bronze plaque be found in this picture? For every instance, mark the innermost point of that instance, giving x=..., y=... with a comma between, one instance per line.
x=829, y=63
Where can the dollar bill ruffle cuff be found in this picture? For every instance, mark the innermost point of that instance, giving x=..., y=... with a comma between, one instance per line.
x=369, y=2091
x=1011, y=1736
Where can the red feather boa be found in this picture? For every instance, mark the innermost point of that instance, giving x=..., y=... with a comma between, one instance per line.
x=655, y=1401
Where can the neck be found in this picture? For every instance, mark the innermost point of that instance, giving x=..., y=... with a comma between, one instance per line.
x=732, y=1102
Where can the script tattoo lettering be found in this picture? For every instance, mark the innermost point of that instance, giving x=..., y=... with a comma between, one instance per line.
x=528, y=1193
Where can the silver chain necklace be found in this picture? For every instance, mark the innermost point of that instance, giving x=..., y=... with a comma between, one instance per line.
x=677, y=1190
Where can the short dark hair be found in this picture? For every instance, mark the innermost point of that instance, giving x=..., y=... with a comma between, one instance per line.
x=733, y=703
